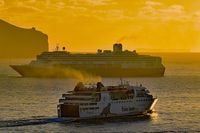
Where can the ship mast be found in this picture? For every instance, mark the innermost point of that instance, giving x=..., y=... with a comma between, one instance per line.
x=121, y=81
x=57, y=47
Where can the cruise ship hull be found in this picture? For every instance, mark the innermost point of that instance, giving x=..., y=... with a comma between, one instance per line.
x=62, y=71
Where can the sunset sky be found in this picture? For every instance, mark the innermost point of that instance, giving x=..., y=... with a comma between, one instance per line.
x=86, y=25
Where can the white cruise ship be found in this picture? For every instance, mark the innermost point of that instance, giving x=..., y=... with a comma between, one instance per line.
x=107, y=63
x=99, y=101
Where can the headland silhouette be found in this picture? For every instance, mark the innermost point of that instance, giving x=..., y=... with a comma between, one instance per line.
x=16, y=42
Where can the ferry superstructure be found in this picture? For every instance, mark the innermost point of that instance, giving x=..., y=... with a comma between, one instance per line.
x=99, y=101
x=107, y=63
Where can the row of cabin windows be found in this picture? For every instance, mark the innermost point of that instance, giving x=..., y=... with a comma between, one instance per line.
x=88, y=103
x=121, y=101
x=93, y=56
x=91, y=108
x=102, y=63
x=81, y=103
x=97, y=99
x=141, y=100
x=96, y=59
x=78, y=98
x=121, y=98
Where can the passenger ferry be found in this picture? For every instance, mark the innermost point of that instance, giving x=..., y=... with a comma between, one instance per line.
x=99, y=101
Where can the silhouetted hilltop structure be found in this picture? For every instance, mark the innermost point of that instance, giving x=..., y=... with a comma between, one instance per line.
x=16, y=42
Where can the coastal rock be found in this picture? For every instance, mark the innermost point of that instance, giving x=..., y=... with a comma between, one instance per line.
x=16, y=42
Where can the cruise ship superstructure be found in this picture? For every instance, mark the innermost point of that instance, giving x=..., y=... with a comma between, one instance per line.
x=99, y=101
x=106, y=63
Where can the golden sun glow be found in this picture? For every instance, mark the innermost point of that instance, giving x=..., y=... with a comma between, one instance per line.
x=86, y=25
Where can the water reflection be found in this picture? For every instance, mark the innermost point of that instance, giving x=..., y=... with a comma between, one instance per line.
x=111, y=120
x=154, y=117
x=80, y=123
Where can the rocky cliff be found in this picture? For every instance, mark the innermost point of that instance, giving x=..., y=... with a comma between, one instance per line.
x=16, y=42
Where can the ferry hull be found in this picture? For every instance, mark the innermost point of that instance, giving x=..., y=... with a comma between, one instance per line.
x=99, y=101
x=68, y=71
x=73, y=111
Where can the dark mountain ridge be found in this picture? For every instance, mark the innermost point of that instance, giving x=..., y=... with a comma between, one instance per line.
x=16, y=42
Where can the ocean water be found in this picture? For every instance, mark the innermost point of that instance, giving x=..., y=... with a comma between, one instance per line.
x=29, y=104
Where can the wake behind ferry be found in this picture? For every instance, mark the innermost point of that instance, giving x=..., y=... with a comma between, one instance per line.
x=99, y=101
x=107, y=63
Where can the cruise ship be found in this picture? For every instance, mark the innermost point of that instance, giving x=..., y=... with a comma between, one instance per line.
x=105, y=63
x=99, y=101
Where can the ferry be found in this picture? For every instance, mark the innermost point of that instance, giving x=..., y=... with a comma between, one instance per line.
x=104, y=63
x=98, y=101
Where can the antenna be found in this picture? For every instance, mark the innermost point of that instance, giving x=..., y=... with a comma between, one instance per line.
x=121, y=81
x=57, y=47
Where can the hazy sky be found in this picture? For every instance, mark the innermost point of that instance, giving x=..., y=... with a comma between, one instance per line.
x=86, y=25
